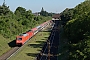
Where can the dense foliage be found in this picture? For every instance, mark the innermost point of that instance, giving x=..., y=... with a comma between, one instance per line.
x=77, y=29
x=14, y=23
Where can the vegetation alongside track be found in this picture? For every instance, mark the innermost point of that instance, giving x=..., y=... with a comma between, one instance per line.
x=15, y=23
x=63, y=51
x=33, y=47
x=3, y=45
x=77, y=30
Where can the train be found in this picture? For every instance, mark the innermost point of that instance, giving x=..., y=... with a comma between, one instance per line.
x=23, y=38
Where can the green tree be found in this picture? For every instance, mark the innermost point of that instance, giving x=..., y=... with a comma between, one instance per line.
x=77, y=30
x=20, y=11
x=45, y=13
x=4, y=10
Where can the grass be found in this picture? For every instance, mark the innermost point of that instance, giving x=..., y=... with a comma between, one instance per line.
x=4, y=45
x=32, y=48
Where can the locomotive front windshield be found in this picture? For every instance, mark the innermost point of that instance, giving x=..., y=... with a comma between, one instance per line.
x=19, y=38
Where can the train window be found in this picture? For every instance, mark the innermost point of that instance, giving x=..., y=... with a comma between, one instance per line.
x=19, y=38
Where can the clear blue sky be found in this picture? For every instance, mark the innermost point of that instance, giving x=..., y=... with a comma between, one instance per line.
x=55, y=6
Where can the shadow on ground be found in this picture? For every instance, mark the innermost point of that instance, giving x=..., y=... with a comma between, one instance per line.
x=32, y=54
x=12, y=43
x=39, y=45
x=63, y=47
x=40, y=41
x=35, y=45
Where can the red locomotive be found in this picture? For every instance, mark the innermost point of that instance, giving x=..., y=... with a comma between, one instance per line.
x=21, y=39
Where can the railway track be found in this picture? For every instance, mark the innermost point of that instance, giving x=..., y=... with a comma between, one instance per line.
x=50, y=49
x=9, y=53
x=12, y=52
